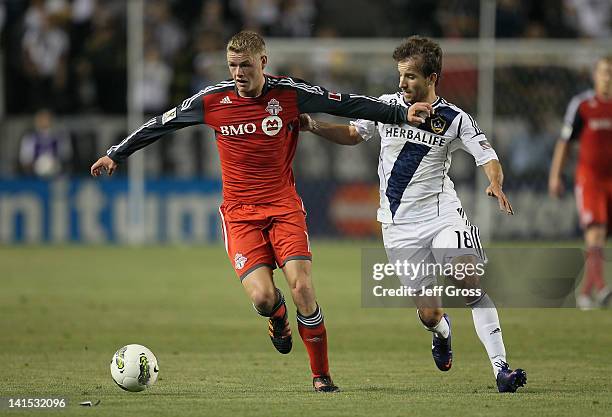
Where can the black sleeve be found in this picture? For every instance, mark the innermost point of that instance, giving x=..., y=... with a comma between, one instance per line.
x=189, y=112
x=316, y=99
x=577, y=126
x=572, y=121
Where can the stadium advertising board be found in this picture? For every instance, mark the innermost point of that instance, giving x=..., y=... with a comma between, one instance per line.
x=35, y=211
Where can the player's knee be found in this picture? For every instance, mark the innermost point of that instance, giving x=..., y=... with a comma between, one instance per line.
x=299, y=278
x=465, y=259
x=595, y=236
x=303, y=295
x=263, y=298
x=466, y=270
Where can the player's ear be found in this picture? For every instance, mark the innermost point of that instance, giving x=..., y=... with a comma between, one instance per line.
x=264, y=61
x=433, y=77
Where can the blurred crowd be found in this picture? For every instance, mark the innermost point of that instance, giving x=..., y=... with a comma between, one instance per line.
x=70, y=55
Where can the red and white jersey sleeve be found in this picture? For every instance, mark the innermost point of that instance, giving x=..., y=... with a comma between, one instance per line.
x=572, y=120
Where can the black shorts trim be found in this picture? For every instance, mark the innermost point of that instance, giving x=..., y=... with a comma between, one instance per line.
x=254, y=267
x=296, y=258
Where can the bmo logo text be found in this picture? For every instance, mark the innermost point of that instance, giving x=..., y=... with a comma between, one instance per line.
x=241, y=129
x=271, y=125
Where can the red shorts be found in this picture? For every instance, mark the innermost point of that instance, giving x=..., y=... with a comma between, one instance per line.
x=594, y=201
x=269, y=234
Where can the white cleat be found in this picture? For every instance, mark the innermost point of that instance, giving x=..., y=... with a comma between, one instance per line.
x=585, y=303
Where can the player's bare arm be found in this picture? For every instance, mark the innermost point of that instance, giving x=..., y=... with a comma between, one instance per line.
x=336, y=133
x=494, y=172
x=555, y=182
x=103, y=164
x=348, y=135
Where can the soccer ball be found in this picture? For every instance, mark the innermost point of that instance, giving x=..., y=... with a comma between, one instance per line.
x=134, y=368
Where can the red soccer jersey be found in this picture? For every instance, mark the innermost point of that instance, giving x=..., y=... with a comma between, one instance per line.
x=589, y=119
x=257, y=137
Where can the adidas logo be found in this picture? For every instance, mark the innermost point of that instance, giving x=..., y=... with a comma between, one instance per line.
x=497, y=330
x=226, y=100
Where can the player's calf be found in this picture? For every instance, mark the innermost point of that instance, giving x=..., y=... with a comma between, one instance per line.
x=300, y=283
x=429, y=316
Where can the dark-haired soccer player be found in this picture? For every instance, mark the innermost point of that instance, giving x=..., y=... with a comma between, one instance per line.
x=423, y=222
x=256, y=120
x=588, y=120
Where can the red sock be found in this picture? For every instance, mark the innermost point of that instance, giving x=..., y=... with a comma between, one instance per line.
x=279, y=311
x=313, y=333
x=594, y=271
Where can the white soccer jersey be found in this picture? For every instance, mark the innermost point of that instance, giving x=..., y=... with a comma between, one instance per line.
x=414, y=161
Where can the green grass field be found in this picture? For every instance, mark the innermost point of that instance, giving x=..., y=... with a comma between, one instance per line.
x=64, y=311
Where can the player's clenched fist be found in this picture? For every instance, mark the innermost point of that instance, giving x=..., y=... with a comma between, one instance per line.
x=418, y=112
x=103, y=164
x=306, y=123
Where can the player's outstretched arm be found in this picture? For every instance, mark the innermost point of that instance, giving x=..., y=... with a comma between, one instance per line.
x=348, y=134
x=555, y=182
x=190, y=112
x=103, y=164
x=316, y=99
x=494, y=172
x=336, y=133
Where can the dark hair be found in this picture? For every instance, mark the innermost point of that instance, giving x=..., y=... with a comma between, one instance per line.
x=426, y=53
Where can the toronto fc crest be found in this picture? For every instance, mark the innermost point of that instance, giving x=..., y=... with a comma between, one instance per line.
x=274, y=107
x=239, y=261
x=272, y=124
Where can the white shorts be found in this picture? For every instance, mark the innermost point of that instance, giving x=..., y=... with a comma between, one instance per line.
x=431, y=242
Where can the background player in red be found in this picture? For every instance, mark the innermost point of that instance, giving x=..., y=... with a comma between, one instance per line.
x=589, y=120
x=256, y=120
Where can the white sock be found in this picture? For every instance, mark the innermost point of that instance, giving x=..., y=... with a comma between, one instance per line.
x=440, y=330
x=486, y=323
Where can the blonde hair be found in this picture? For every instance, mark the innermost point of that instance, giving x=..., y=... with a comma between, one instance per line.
x=605, y=58
x=247, y=41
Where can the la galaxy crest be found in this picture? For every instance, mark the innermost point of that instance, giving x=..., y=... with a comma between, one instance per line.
x=437, y=124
